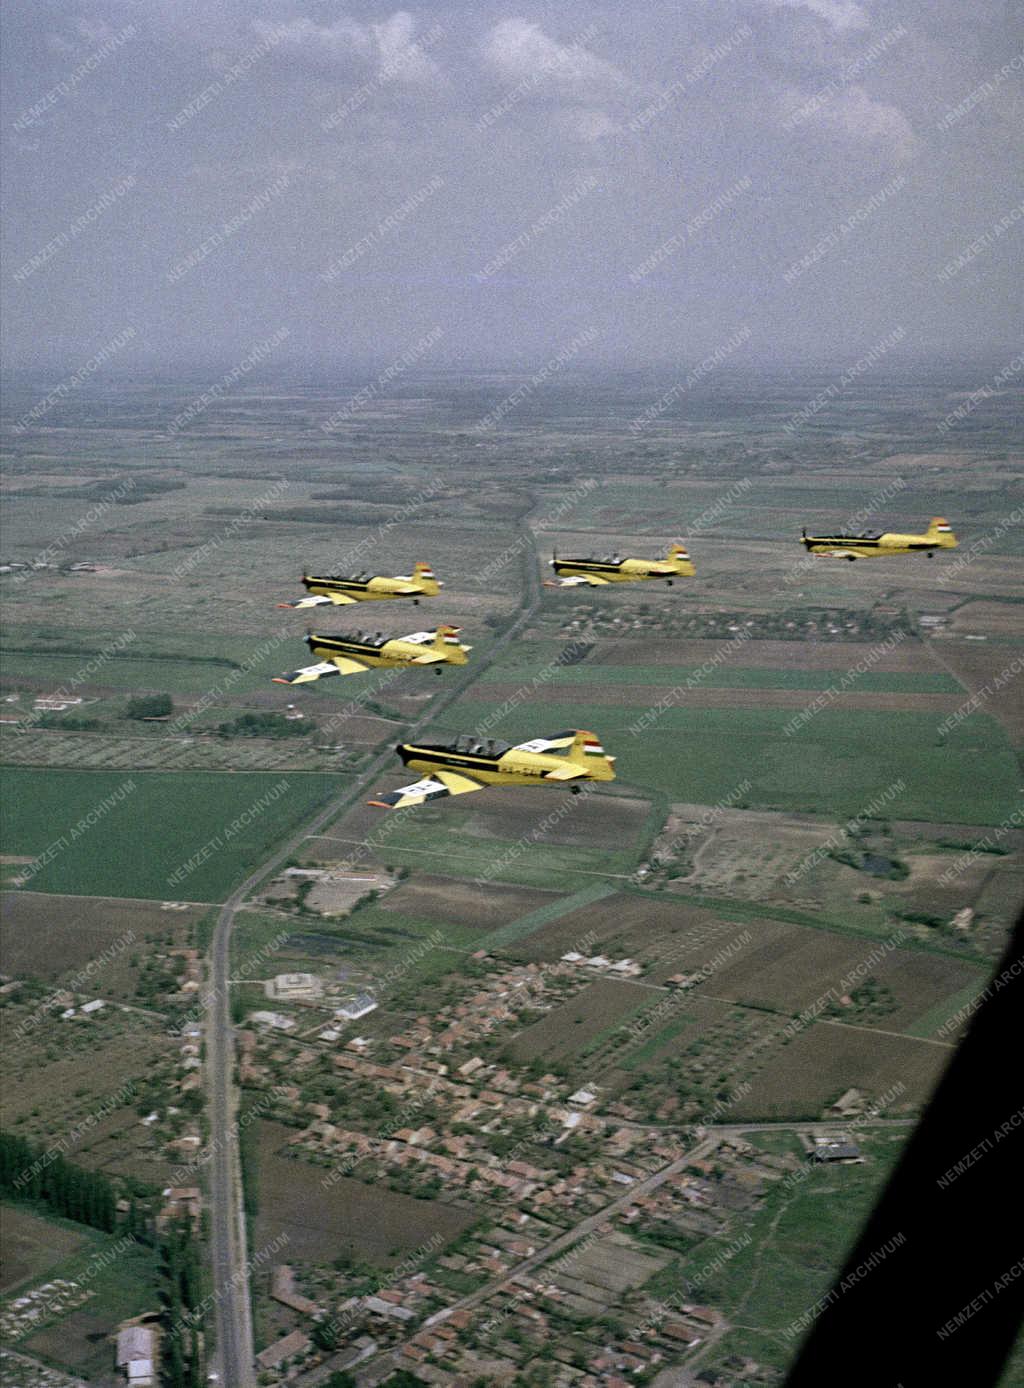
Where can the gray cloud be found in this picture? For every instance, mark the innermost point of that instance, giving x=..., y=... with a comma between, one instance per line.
x=207, y=104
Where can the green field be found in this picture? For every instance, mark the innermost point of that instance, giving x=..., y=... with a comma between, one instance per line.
x=119, y=1273
x=152, y=661
x=166, y=823
x=731, y=677
x=757, y=509
x=33, y=1245
x=792, y=1257
x=837, y=763
x=370, y=937
x=430, y=838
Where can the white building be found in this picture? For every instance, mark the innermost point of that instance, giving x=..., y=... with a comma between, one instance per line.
x=136, y=1352
x=290, y=986
x=357, y=1008
x=272, y=1019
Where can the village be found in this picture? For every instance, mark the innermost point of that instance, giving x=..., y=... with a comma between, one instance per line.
x=536, y=1156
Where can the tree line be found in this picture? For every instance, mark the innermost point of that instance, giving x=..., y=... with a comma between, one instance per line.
x=29, y=1172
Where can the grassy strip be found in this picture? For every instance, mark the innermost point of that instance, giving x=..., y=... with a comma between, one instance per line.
x=533, y=920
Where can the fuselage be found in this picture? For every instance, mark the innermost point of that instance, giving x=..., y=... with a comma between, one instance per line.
x=620, y=571
x=867, y=546
x=366, y=589
x=383, y=651
x=495, y=764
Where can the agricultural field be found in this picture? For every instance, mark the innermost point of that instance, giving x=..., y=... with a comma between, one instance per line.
x=100, y=943
x=449, y=900
x=86, y=1083
x=574, y=1027
x=836, y=763
x=731, y=675
x=32, y=1246
x=991, y=673
x=544, y=843
x=866, y=875
x=83, y=751
x=127, y=1285
x=367, y=1222
x=790, y=1259
x=824, y=1060
x=183, y=835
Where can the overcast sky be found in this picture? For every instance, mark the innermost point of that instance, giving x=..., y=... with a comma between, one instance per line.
x=656, y=177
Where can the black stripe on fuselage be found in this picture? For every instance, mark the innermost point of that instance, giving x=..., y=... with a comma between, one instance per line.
x=589, y=564
x=318, y=643
x=438, y=756
x=851, y=541
x=841, y=540
x=341, y=584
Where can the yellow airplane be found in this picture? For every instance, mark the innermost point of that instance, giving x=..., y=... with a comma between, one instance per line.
x=939, y=535
x=613, y=568
x=360, y=651
x=471, y=763
x=364, y=587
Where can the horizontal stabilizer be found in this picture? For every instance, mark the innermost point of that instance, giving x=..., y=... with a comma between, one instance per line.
x=568, y=772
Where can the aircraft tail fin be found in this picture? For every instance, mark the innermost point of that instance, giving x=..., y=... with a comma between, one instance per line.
x=940, y=530
x=424, y=575
x=586, y=750
x=679, y=558
x=446, y=639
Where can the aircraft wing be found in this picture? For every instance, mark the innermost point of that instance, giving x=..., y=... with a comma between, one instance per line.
x=591, y=579
x=427, y=657
x=341, y=665
x=320, y=600
x=429, y=788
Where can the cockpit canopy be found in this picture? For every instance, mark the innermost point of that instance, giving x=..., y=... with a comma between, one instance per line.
x=477, y=746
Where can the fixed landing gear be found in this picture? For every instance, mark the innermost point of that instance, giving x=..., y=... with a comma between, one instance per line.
x=931, y=554
x=415, y=602
x=438, y=670
x=574, y=790
x=669, y=582
x=852, y=558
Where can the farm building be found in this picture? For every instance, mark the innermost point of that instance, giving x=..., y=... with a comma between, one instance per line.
x=136, y=1355
x=836, y=1151
x=280, y=1350
x=357, y=1008
x=293, y=986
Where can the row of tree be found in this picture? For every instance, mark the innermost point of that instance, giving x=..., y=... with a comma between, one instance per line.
x=182, y=1359
x=29, y=1171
